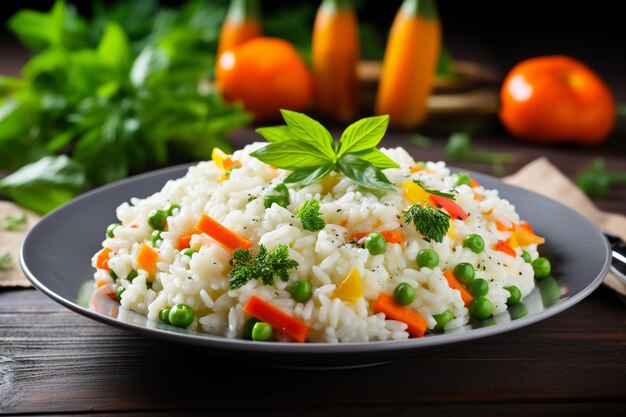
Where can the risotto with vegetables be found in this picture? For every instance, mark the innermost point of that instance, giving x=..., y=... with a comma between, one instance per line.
x=306, y=238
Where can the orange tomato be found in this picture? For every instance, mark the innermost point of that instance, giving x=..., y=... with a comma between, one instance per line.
x=266, y=75
x=556, y=99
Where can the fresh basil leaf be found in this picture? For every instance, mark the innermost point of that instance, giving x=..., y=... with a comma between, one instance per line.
x=376, y=158
x=43, y=185
x=58, y=171
x=309, y=175
x=292, y=155
x=275, y=133
x=114, y=48
x=363, y=134
x=363, y=173
x=434, y=192
x=308, y=129
x=41, y=199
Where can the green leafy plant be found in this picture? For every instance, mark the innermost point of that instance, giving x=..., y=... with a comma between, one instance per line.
x=305, y=147
x=119, y=93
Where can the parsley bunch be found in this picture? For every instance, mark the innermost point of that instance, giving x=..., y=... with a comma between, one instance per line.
x=305, y=147
x=310, y=216
x=429, y=221
x=265, y=265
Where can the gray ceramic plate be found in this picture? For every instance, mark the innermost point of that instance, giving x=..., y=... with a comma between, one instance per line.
x=56, y=255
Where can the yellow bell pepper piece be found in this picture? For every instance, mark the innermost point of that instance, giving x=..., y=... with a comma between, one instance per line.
x=413, y=192
x=525, y=237
x=222, y=159
x=351, y=288
x=451, y=231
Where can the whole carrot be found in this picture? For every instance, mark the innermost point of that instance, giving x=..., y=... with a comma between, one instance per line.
x=241, y=24
x=335, y=52
x=409, y=63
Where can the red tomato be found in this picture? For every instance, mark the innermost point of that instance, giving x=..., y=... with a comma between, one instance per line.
x=556, y=99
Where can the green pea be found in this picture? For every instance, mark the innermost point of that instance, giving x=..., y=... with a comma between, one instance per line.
x=181, y=315
x=463, y=179
x=464, y=272
x=119, y=292
x=404, y=294
x=427, y=258
x=164, y=314
x=517, y=311
x=542, y=267
x=480, y=308
x=111, y=229
x=155, y=237
x=279, y=196
x=132, y=275
x=171, y=208
x=478, y=287
x=188, y=252
x=247, y=327
x=261, y=331
x=526, y=257
x=113, y=275
x=474, y=242
x=516, y=295
x=442, y=319
x=375, y=243
x=157, y=219
x=301, y=290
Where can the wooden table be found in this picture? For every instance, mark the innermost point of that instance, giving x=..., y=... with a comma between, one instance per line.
x=53, y=361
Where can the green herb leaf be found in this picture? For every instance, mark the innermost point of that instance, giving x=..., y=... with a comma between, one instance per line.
x=376, y=158
x=308, y=129
x=308, y=176
x=275, y=133
x=363, y=134
x=363, y=173
x=43, y=185
x=292, y=155
x=265, y=265
x=13, y=222
x=310, y=216
x=5, y=261
x=434, y=192
x=114, y=48
x=432, y=223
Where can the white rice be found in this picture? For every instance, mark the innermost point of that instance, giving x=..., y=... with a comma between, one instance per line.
x=325, y=258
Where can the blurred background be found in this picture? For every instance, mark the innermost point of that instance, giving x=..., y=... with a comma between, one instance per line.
x=140, y=110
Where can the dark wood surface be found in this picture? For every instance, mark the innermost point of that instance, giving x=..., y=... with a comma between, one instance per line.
x=53, y=361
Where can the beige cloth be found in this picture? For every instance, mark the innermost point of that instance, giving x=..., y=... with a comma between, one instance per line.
x=11, y=242
x=540, y=171
x=553, y=182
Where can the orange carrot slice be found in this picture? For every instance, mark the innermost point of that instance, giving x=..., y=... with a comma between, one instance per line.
x=456, y=285
x=525, y=235
x=102, y=261
x=147, y=258
x=222, y=234
x=281, y=321
x=184, y=241
x=386, y=304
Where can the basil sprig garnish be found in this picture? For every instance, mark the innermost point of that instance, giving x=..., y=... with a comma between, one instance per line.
x=307, y=148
